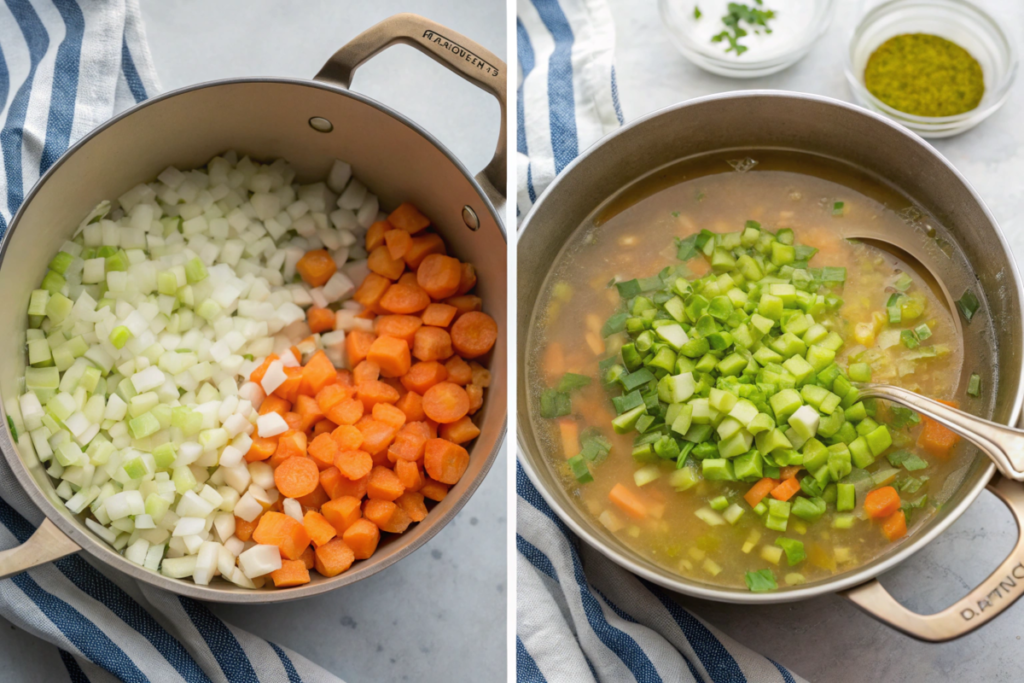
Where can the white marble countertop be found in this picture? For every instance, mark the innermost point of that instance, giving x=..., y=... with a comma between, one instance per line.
x=440, y=614
x=827, y=639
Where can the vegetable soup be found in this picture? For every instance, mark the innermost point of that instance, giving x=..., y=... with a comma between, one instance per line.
x=694, y=367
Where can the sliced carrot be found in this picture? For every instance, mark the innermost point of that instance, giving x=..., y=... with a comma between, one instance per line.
x=362, y=537
x=445, y=402
x=353, y=464
x=357, y=345
x=309, y=410
x=432, y=343
x=331, y=482
x=281, y=530
x=322, y=451
x=627, y=501
x=935, y=439
x=379, y=261
x=474, y=334
x=289, y=390
x=319, y=372
x=411, y=404
x=377, y=436
x=297, y=477
x=786, y=489
x=460, y=431
x=347, y=412
x=408, y=278
x=422, y=247
x=257, y=374
x=479, y=375
x=569, y=431
x=391, y=354
x=275, y=404
x=399, y=326
x=291, y=573
x=293, y=420
x=459, y=371
x=895, y=526
x=467, y=303
x=476, y=397
x=758, y=491
x=372, y=290
x=320, y=319
x=323, y=427
x=348, y=437
x=316, y=267
x=244, y=529
x=308, y=558
x=315, y=499
x=434, y=490
x=291, y=444
x=404, y=299
x=371, y=393
x=790, y=471
x=412, y=503
x=384, y=484
x=389, y=414
x=407, y=217
x=467, y=278
x=345, y=378
x=410, y=442
x=445, y=461
x=398, y=242
x=333, y=558
x=319, y=529
x=375, y=234
x=439, y=276
x=261, y=449
x=386, y=515
x=366, y=371
x=423, y=375
x=332, y=395
x=410, y=474
x=438, y=315
x=553, y=362
x=882, y=502
x=342, y=512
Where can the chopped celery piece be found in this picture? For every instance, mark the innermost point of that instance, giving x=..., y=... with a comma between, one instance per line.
x=580, y=470
x=974, y=385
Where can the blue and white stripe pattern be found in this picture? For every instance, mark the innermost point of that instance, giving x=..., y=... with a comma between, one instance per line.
x=567, y=98
x=602, y=624
x=65, y=67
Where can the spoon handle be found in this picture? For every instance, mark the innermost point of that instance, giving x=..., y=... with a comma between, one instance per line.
x=1003, y=445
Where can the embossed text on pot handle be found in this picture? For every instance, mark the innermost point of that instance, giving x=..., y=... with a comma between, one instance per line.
x=1000, y=590
x=458, y=53
x=1003, y=445
x=48, y=543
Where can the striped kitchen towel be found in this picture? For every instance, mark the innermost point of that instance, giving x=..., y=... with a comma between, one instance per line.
x=65, y=67
x=580, y=617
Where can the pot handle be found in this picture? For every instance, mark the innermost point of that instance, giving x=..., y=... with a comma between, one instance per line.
x=1000, y=590
x=47, y=544
x=452, y=50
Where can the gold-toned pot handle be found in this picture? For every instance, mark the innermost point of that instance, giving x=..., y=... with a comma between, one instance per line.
x=1000, y=590
x=47, y=544
x=455, y=51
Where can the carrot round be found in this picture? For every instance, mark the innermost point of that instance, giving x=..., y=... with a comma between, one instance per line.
x=333, y=558
x=410, y=474
x=372, y=290
x=316, y=267
x=375, y=234
x=367, y=371
x=320, y=319
x=459, y=371
x=379, y=261
x=404, y=299
x=387, y=516
x=438, y=315
x=432, y=343
x=423, y=375
x=362, y=537
x=445, y=461
x=399, y=326
x=389, y=414
x=296, y=477
x=391, y=355
x=439, y=276
x=434, y=490
x=346, y=412
x=384, y=484
x=467, y=278
x=261, y=449
x=407, y=217
x=348, y=437
x=422, y=247
x=377, y=435
x=411, y=404
x=397, y=242
x=895, y=526
x=322, y=450
x=446, y=402
x=353, y=464
x=371, y=393
x=460, y=431
x=882, y=502
x=474, y=334
x=412, y=503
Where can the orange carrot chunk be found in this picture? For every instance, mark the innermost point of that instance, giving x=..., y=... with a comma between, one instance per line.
x=342, y=512
x=459, y=371
x=460, y=431
x=387, y=515
x=758, y=491
x=410, y=474
x=467, y=278
x=423, y=375
x=411, y=404
x=786, y=490
x=895, y=526
x=439, y=276
x=445, y=461
x=422, y=247
x=291, y=573
x=936, y=439
x=316, y=267
x=297, y=477
x=333, y=558
x=446, y=402
x=353, y=464
x=375, y=234
x=372, y=290
x=362, y=537
x=399, y=326
x=474, y=334
x=322, y=451
x=438, y=315
x=882, y=502
x=627, y=501
x=391, y=354
x=398, y=242
x=432, y=343
x=384, y=484
x=407, y=217
x=379, y=261
x=319, y=529
x=281, y=530
x=434, y=490
x=404, y=299
x=320, y=319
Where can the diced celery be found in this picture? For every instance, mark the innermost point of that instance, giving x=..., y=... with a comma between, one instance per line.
x=683, y=478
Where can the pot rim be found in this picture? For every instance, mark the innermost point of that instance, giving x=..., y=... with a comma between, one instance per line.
x=103, y=552
x=841, y=581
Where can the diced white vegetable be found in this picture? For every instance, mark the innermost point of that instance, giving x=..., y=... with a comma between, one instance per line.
x=270, y=425
x=260, y=560
x=293, y=509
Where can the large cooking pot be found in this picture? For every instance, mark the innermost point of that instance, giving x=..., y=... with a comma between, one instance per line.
x=806, y=123
x=308, y=123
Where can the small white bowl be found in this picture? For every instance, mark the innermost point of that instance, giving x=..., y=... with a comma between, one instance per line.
x=956, y=20
x=691, y=37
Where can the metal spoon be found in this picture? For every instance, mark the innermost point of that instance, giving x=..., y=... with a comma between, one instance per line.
x=1003, y=445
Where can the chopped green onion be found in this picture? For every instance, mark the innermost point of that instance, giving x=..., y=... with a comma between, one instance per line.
x=923, y=331
x=14, y=430
x=761, y=581
x=59, y=264
x=580, y=470
x=974, y=385
x=903, y=282
x=968, y=305
x=837, y=209
x=571, y=381
x=554, y=403
x=909, y=339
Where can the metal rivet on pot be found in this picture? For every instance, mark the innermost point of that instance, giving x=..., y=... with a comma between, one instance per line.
x=470, y=218
x=321, y=125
